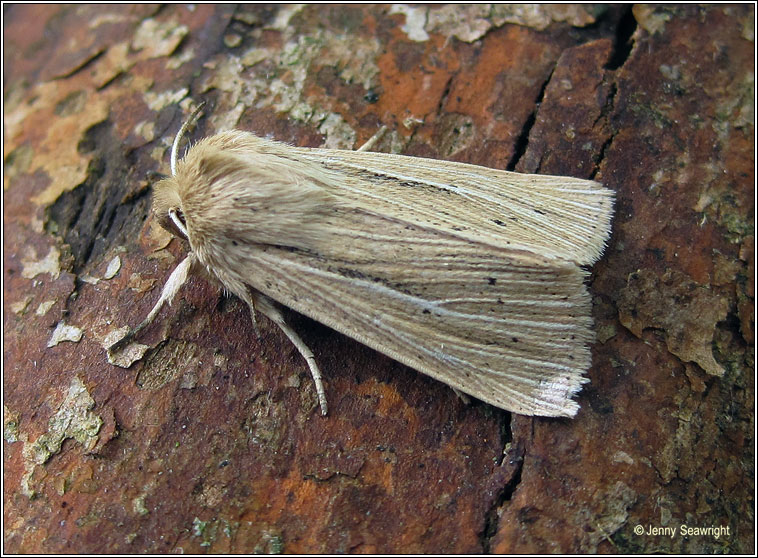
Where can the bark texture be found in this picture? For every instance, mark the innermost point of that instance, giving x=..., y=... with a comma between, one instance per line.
x=212, y=441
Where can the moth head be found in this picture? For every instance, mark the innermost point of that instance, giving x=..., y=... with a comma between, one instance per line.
x=167, y=208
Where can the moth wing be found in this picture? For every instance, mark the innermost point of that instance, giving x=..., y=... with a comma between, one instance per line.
x=505, y=326
x=555, y=216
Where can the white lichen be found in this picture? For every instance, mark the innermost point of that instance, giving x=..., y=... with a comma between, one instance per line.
x=65, y=332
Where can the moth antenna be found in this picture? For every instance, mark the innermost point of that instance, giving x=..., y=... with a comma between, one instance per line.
x=178, y=222
x=180, y=134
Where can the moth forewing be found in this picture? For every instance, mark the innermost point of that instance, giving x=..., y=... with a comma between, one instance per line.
x=510, y=328
x=468, y=274
x=554, y=216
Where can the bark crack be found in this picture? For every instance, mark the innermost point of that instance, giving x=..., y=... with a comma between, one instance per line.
x=522, y=142
x=623, y=43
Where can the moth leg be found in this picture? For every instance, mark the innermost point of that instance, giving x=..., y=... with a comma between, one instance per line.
x=251, y=304
x=266, y=306
x=373, y=139
x=238, y=288
x=174, y=282
x=462, y=396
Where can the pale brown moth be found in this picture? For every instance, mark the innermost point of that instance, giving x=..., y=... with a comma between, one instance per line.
x=468, y=274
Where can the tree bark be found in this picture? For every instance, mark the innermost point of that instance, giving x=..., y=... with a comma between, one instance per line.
x=211, y=440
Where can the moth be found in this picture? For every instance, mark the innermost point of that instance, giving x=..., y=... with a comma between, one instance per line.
x=474, y=276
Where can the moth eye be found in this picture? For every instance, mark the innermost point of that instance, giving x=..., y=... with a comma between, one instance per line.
x=179, y=215
x=177, y=218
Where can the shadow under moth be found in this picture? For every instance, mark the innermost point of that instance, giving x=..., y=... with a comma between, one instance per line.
x=468, y=274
